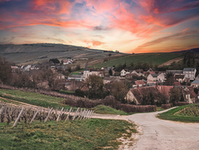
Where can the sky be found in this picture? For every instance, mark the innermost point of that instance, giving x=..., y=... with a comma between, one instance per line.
x=130, y=26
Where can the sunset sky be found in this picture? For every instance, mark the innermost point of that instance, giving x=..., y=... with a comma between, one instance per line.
x=131, y=26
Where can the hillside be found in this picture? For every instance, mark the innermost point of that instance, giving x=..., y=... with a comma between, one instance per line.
x=153, y=58
x=31, y=53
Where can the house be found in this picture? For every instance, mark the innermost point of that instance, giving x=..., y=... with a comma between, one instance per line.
x=195, y=83
x=189, y=73
x=76, y=77
x=161, y=77
x=188, y=94
x=140, y=83
x=177, y=84
x=68, y=61
x=61, y=76
x=179, y=78
x=165, y=90
x=87, y=73
x=136, y=95
x=175, y=72
x=26, y=68
x=152, y=78
x=124, y=73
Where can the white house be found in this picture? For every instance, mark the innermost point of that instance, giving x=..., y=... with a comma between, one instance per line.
x=189, y=73
x=161, y=77
x=87, y=73
x=124, y=73
x=152, y=78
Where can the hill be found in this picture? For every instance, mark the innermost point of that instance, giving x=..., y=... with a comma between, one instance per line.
x=32, y=53
x=153, y=58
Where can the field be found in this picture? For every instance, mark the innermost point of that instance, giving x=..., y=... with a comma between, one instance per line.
x=32, y=98
x=16, y=96
x=187, y=113
x=82, y=135
x=156, y=58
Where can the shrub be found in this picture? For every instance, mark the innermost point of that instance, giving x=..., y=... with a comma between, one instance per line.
x=182, y=103
x=166, y=106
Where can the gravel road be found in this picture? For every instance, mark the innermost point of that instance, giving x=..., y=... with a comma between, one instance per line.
x=160, y=134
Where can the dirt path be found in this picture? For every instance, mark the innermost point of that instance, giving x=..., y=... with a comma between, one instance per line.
x=165, y=135
x=170, y=62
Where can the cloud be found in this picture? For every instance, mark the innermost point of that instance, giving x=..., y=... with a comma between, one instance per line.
x=166, y=38
x=57, y=39
x=93, y=42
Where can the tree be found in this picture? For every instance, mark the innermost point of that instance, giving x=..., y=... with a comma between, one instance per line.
x=175, y=95
x=110, y=72
x=5, y=70
x=169, y=79
x=148, y=99
x=54, y=60
x=119, y=90
x=77, y=67
x=95, y=86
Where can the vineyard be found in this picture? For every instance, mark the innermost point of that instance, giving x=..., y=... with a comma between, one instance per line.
x=14, y=113
x=192, y=110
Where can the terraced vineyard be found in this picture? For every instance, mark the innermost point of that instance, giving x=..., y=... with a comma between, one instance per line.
x=186, y=113
x=192, y=110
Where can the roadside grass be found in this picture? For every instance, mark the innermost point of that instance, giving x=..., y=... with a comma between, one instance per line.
x=159, y=109
x=102, y=109
x=82, y=135
x=156, y=58
x=186, y=113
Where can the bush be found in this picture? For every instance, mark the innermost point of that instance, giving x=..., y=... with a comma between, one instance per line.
x=166, y=106
x=111, y=102
x=182, y=103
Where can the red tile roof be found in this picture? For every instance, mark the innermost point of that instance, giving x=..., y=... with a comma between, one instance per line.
x=138, y=82
x=164, y=89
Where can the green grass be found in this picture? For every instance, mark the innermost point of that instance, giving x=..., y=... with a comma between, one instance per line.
x=67, y=92
x=156, y=58
x=177, y=114
x=32, y=98
x=88, y=134
x=159, y=109
x=101, y=109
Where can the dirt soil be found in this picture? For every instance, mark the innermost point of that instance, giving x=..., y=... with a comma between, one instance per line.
x=170, y=62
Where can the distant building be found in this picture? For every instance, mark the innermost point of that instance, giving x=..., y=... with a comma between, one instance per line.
x=195, y=83
x=189, y=73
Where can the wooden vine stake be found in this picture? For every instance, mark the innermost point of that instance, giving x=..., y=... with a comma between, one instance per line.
x=69, y=113
x=60, y=114
x=35, y=115
x=75, y=113
x=18, y=117
x=48, y=114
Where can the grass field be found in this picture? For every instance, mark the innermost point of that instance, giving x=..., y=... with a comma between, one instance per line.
x=187, y=113
x=156, y=58
x=47, y=101
x=32, y=98
x=101, y=109
x=91, y=134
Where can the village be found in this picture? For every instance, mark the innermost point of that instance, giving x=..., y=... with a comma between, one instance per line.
x=143, y=86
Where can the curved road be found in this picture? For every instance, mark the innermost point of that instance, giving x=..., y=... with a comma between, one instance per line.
x=160, y=134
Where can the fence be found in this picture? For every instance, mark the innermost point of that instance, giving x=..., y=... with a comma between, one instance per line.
x=10, y=112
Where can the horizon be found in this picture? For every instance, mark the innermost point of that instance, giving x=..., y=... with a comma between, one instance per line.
x=129, y=26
